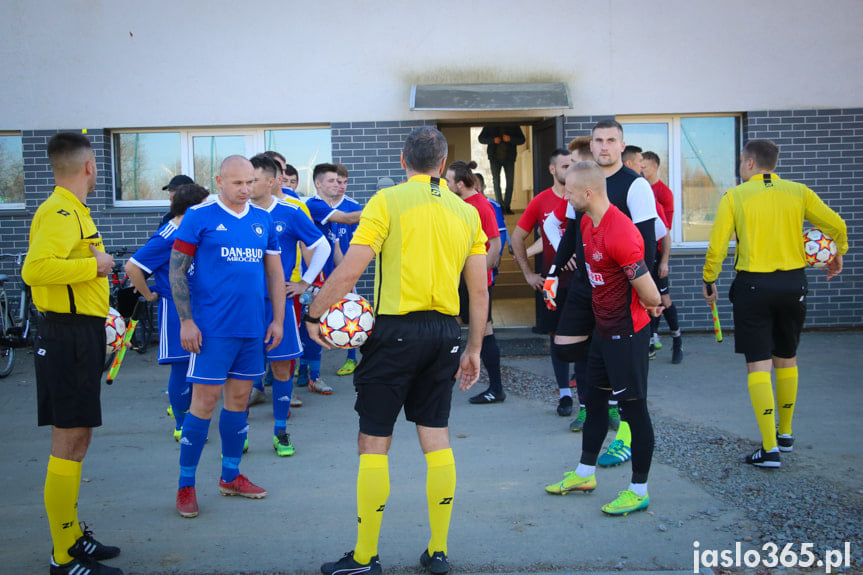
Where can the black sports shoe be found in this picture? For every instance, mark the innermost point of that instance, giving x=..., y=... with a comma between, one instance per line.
x=87, y=546
x=83, y=566
x=677, y=349
x=347, y=566
x=763, y=458
x=436, y=564
x=564, y=406
x=651, y=352
x=785, y=442
x=488, y=396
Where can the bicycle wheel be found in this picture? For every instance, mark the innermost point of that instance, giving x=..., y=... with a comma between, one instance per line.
x=7, y=352
x=143, y=335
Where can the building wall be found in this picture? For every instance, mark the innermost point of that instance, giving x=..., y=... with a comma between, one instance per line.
x=162, y=63
x=823, y=148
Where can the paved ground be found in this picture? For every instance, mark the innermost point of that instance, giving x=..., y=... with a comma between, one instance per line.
x=503, y=520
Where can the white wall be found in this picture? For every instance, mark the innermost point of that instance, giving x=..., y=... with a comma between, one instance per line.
x=125, y=63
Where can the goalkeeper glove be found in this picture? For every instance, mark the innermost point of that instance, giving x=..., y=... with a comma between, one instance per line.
x=549, y=292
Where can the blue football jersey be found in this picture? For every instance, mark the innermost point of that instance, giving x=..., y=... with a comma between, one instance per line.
x=227, y=280
x=154, y=258
x=344, y=232
x=292, y=226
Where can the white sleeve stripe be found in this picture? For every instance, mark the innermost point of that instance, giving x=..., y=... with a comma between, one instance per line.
x=140, y=265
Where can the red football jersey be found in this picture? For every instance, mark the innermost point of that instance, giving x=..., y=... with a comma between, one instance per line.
x=487, y=220
x=608, y=248
x=542, y=210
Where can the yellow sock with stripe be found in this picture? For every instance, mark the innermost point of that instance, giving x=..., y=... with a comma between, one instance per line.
x=373, y=489
x=440, y=490
x=786, y=395
x=62, y=483
x=624, y=433
x=761, y=394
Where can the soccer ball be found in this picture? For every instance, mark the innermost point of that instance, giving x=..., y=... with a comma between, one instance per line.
x=348, y=322
x=819, y=247
x=115, y=329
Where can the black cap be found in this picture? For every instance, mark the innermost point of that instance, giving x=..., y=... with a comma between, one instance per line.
x=178, y=181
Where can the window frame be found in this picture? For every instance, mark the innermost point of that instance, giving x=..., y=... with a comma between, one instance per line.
x=16, y=206
x=675, y=163
x=255, y=140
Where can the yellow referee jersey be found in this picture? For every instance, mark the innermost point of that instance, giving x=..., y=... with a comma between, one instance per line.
x=59, y=266
x=422, y=234
x=767, y=214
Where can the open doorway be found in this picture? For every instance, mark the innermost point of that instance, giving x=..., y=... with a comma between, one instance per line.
x=515, y=303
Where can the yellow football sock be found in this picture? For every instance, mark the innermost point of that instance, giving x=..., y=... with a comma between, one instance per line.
x=624, y=433
x=786, y=395
x=373, y=489
x=61, y=505
x=440, y=490
x=761, y=394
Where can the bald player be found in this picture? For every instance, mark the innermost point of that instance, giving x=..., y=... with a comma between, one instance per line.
x=623, y=298
x=234, y=247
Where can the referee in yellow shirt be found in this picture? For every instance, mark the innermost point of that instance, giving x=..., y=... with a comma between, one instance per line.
x=67, y=268
x=422, y=236
x=769, y=290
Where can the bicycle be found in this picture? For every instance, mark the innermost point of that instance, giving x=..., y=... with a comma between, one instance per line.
x=16, y=330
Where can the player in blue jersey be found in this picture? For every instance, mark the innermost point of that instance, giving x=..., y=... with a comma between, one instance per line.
x=288, y=177
x=232, y=249
x=327, y=209
x=153, y=258
x=292, y=226
x=342, y=235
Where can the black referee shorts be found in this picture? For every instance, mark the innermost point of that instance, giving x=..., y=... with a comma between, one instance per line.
x=769, y=311
x=576, y=317
x=620, y=364
x=411, y=361
x=70, y=355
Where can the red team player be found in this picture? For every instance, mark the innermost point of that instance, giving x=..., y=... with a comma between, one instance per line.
x=623, y=292
x=540, y=213
x=460, y=179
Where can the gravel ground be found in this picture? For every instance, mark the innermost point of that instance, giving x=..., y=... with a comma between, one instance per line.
x=798, y=505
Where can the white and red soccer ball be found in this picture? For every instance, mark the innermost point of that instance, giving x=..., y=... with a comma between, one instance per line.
x=820, y=248
x=348, y=322
x=115, y=329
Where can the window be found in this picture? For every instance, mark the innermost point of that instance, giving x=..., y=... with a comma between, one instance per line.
x=698, y=160
x=145, y=161
x=11, y=171
x=304, y=149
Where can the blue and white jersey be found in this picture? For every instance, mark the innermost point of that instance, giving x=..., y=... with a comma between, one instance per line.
x=154, y=258
x=290, y=192
x=292, y=226
x=344, y=232
x=321, y=212
x=227, y=279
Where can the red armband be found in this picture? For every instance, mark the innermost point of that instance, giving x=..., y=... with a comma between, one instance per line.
x=185, y=248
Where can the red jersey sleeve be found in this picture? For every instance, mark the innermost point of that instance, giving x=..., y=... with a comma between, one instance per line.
x=487, y=219
x=530, y=217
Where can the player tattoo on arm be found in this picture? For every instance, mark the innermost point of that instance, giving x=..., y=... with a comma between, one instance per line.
x=179, y=267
